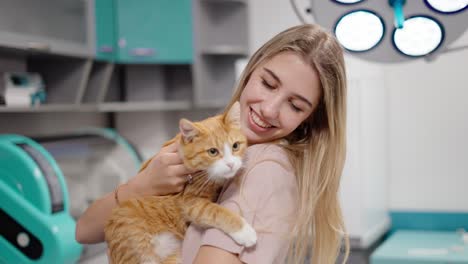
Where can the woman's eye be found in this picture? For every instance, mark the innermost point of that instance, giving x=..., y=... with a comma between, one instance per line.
x=267, y=85
x=235, y=146
x=213, y=152
x=295, y=108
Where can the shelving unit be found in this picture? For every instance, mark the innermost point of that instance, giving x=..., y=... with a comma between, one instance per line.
x=65, y=80
x=97, y=82
x=107, y=80
x=61, y=27
x=222, y=39
x=148, y=87
x=76, y=82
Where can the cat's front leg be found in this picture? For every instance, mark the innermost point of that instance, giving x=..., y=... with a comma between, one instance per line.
x=246, y=236
x=205, y=213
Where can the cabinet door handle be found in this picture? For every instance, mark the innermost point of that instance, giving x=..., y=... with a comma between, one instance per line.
x=38, y=46
x=142, y=52
x=106, y=49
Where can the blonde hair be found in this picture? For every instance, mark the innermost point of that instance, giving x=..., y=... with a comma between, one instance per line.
x=317, y=148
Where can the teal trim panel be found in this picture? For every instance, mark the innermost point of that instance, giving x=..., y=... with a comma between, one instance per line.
x=421, y=247
x=106, y=48
x=441, y=221
x=154, y=31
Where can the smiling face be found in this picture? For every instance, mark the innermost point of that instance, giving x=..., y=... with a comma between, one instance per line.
x=280, y=94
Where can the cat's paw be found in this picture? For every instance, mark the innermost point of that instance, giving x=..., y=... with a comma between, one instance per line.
x=246, y=236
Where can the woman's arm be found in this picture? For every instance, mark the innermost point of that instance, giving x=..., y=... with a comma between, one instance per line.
x=214, y=255
x=165, y=174
x=90, y=225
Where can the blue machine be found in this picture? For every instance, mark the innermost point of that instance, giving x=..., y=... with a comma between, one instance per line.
x=35, y=223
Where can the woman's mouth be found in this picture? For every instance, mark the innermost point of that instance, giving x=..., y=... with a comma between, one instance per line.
x=256, y=123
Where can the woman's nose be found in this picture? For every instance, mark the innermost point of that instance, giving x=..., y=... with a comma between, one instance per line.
x=270, y=109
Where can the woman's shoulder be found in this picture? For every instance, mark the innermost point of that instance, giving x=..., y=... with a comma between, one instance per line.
x=267, y=152
x=268, y=165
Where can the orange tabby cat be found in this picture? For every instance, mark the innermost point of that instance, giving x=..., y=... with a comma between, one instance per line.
x=150, y=229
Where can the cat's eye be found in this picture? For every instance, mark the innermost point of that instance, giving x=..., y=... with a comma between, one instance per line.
x=235, y=146
x=213, y=152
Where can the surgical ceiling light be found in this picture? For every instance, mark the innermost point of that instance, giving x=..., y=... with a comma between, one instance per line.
x=420, y=36
x=348, y=1
x=447, y=6
x=394, y=30
x=359, y=30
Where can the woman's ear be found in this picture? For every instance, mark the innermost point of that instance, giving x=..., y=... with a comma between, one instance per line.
x=232, y=117
x=187, y=130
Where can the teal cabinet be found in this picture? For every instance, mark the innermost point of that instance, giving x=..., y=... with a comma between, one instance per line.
x=154, y=31
x=106, y=44
x=144, y=31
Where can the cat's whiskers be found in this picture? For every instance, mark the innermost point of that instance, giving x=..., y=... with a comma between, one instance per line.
x=198, y=177
x=202, y=186
x=198, y=181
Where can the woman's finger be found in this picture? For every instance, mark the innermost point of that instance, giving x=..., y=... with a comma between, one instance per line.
x=171, y=159
x=180, y=170
x=171, y=148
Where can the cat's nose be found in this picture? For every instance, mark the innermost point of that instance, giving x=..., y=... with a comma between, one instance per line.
x=230, y=164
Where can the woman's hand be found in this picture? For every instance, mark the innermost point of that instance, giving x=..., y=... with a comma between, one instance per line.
x=164, y=174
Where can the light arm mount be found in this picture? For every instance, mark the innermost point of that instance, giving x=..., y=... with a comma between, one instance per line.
x=398, y=12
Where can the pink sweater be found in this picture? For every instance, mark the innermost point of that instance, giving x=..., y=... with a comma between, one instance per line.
x=266, y=196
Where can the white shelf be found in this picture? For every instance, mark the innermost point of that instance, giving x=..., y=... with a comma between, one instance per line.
x=49, y=108
x=145, y=106
x=104, y=107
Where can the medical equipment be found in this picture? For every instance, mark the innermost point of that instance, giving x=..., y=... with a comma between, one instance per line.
x=393, y=30
x=93, y=161
x=36, y=226
x=23, y=89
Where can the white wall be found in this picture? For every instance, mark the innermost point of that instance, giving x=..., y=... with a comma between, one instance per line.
x=267, y=18
x=429, y=133
x=364, y=186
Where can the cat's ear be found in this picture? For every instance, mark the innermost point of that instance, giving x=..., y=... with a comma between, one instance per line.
x=232, y=117
x=187, y=130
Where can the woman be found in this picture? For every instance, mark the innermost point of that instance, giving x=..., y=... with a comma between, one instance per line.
x=293, y=90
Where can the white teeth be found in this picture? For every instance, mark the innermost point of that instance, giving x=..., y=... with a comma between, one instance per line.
x=258, y=121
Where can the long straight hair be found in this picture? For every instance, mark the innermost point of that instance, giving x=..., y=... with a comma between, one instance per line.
x=316, y=148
